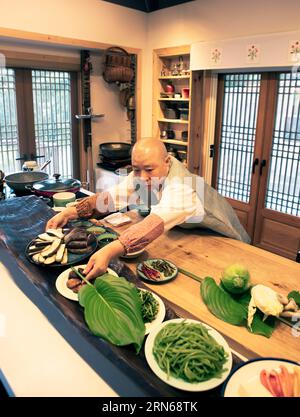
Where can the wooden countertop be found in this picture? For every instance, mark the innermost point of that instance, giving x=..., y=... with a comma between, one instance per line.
x=207, y=255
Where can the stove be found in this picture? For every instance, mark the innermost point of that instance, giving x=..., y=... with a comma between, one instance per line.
x=8, y=193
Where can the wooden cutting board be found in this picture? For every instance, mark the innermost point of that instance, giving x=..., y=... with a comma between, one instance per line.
x=206, y=254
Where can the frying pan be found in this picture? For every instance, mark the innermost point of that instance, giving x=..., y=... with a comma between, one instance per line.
x=19, y=180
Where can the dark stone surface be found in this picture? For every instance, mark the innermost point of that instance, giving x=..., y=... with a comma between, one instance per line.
x=22, y=219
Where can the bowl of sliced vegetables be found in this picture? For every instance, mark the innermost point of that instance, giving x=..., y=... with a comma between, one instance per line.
x=188, y=355
x=157, y=271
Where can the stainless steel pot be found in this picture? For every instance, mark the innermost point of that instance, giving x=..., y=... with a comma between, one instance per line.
x=19, y=180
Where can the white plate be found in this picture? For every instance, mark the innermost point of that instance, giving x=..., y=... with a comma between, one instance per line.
x=180, y=383
x=160, y=314
x=61, y=283
x=249, y=374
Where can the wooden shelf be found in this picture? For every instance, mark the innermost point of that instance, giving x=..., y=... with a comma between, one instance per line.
x=174, y=77
x=174, y=99
x=173, y=121
x=175, y=142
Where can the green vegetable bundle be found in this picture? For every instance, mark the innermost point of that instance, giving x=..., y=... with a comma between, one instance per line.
x=187, y=351
x=149, y=306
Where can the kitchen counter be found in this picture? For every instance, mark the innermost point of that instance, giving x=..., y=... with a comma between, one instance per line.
x=205, y=254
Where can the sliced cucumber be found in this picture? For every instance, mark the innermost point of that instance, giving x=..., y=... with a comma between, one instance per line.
x=106, y=236
x=98, y=230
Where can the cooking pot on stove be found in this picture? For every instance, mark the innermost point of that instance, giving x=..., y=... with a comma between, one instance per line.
x=115, y=150
x=55, y=185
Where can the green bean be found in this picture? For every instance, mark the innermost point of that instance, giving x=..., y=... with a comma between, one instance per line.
x=187, y=351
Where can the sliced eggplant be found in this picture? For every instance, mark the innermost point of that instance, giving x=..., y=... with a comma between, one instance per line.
x=45, y=236
x=74, y=284
x=50, y=260
x=91, y=239
x=77, y=244
x=75, y=234
x=34, y=251
x=41, y=259
x=64, y=260
x=41, y=244
x=52, y=249
x=35, y=258
x=60, y=253
x=55, y=232
x=88, y=249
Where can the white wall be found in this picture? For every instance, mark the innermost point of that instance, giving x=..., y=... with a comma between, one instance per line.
x=114, y=126
x=92, y=20
x=199, y=20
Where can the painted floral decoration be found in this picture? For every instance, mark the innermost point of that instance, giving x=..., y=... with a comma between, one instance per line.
x=215, y=55
x=252, y=52
x=295, y=48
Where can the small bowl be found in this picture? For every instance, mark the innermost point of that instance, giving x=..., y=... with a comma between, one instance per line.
x=164, y=279
x=144, y=210
x=62, y=199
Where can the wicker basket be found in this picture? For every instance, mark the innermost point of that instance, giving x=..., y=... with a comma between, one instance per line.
x=117, y=66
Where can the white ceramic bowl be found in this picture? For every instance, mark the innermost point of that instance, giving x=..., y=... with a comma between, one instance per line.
x=63, y=198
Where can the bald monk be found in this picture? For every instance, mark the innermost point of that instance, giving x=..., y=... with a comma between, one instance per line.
x=175, y=196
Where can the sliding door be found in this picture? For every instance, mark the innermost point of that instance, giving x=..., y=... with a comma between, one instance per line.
x=257, y=160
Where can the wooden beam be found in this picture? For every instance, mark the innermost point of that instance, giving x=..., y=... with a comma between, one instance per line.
x=21, y=35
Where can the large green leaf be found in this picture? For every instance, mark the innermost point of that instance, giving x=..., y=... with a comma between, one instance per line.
x=112, y=310
x=221, y=304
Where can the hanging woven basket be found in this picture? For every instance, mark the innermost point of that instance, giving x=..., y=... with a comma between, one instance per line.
x=117, y=66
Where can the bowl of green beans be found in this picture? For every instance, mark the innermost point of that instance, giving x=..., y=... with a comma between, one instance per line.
x=188, y=355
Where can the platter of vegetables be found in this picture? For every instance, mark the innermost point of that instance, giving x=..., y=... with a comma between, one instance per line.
x=188, y=355
x=157, y=271
x=264, y=377
x=61, y=247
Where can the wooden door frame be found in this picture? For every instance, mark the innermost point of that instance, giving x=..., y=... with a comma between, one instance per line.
x=263, y=213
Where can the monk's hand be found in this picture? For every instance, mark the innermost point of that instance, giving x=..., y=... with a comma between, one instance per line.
x=97, y=264
x=62, y=218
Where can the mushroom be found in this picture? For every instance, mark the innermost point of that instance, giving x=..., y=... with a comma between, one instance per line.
x=290, y=314
x=282, y=299
x=291, y=306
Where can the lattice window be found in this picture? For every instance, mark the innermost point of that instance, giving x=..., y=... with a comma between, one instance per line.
x=9, y=137
x=241, y=95
x=52, y=118
x=283, y=191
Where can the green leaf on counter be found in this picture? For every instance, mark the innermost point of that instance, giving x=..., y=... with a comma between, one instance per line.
x=296, y=296
x=112, y=310
x=221, y=304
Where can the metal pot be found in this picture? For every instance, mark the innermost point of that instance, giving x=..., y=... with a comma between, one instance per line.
x=19, y=180
x=55, y=185
x=115, y=150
